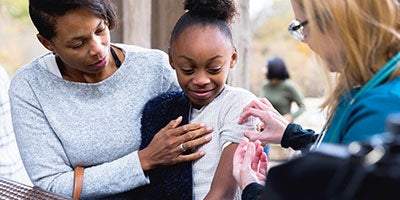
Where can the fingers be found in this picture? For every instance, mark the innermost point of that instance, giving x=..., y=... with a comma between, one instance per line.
x=238, y=158
x=253, y=104
x=174, y=123
x=177, y=121
x=258, y=108
x=252, y=112
x=248, y=156
x=191, y=144
x=182, y=147
x=196, y=129
x=258, y=152
x=190, y=157
x=240, y=150
x=265, y=102
x=259, y=104
x=260, y=127
x=168, y=145
x=193, y=137
x=253, y=136
x=263, y=164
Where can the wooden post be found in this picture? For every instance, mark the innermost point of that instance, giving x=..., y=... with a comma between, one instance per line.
x=240, y=74
x=165, y=13
x=135, y=22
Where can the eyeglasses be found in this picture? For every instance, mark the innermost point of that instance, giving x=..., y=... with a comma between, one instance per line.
x=296, y=29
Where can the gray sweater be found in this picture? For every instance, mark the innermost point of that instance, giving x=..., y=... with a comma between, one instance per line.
x=61, y=124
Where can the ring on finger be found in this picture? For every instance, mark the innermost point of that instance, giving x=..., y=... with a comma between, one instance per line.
x=182, y=148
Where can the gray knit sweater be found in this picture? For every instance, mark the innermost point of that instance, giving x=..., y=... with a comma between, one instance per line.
x=61, y=124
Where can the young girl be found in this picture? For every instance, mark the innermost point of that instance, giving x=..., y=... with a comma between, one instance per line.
x=202, y=53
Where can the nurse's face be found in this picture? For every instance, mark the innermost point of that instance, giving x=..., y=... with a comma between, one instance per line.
x=323, y=44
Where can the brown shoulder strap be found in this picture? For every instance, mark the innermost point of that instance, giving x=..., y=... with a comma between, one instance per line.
x=78, y=179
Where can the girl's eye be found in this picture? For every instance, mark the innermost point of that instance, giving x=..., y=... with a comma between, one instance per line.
x=215, y=70
x=187, y=71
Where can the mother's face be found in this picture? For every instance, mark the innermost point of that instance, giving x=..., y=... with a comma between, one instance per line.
x=82, y=41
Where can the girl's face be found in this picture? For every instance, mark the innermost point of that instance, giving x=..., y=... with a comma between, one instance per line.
x=324, y=44
x=82, y=41
x=202, y=57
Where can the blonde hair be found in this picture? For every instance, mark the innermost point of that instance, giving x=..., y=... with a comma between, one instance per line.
x=367, y=36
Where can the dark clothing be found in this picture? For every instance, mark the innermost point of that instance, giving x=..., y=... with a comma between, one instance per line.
x=295, y=137
x=335, y=173
x=298, y=138
x=252, y=192
x=168, y=182
x=309, y=180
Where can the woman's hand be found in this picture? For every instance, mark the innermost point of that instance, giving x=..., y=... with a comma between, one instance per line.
x=170, y=142
x=273, y=124
x=249, y=163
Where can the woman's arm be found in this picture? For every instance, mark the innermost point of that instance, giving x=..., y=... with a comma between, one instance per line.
x=224, y=185
x=48, y=160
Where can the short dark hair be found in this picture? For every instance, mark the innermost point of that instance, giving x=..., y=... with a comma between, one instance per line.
x=45, y=13
x=276, y=69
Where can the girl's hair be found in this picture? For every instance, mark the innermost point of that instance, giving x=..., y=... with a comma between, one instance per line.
x=45, y=13
x=218, y=13
x=276, y=69
x=367, y=34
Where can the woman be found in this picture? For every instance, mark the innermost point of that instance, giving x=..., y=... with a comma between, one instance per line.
x=359, y=40
x=281, y=91
x=201, y=52
x=81, y=104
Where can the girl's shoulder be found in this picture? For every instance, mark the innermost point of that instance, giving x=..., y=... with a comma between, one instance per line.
x=230, y=90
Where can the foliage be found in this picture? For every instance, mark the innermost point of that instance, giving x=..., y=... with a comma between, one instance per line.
x=17, y=35
x=17, y=9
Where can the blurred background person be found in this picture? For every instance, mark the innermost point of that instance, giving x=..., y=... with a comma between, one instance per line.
x=282, y=92
x=11, y=166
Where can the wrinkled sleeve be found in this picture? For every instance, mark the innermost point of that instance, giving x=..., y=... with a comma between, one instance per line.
x=298, y=138
x=232, y=132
